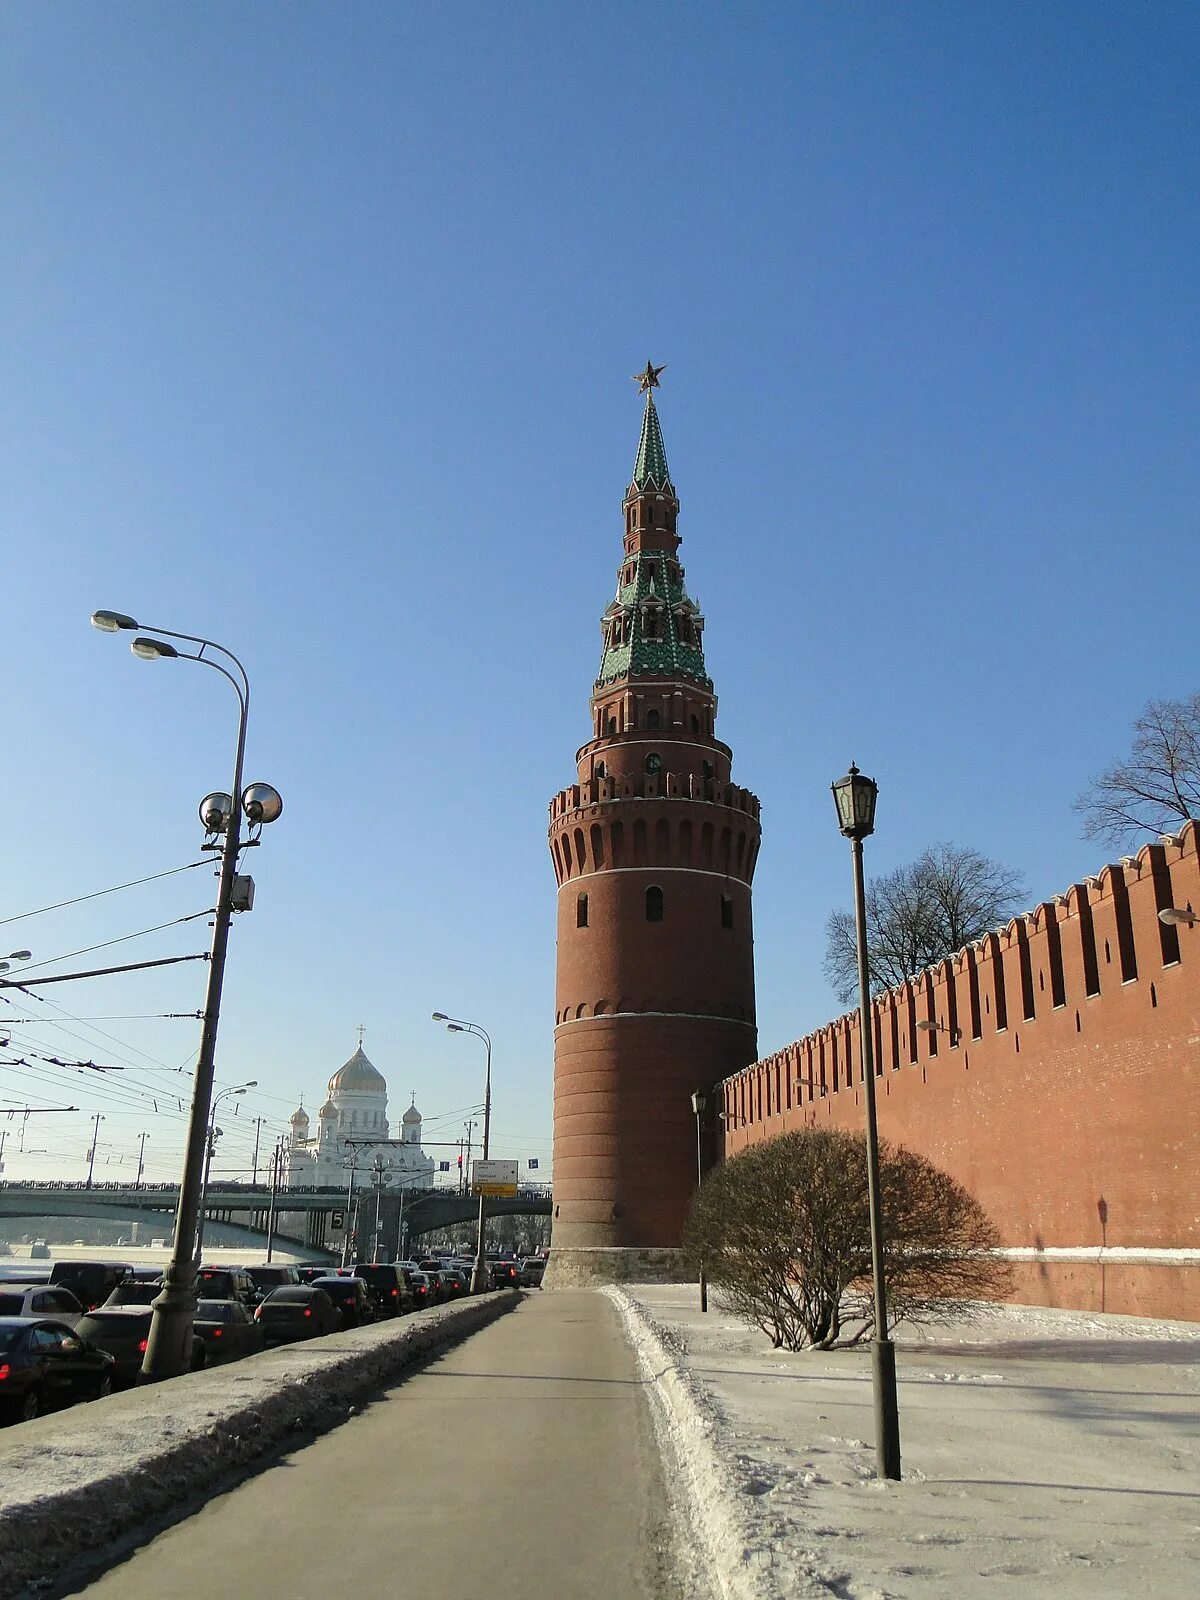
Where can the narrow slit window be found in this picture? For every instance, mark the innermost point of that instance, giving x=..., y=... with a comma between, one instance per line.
x=727, y=911
x=581, y=911
x=654, y=903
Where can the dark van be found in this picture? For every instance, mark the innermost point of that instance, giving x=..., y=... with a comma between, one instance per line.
x=91, y=1282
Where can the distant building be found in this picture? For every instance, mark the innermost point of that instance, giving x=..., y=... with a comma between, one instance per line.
x=356, y=1108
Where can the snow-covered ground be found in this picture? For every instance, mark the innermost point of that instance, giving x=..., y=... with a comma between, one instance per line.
x=1046, y=1454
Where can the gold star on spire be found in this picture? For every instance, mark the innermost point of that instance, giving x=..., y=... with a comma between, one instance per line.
x=649, y=379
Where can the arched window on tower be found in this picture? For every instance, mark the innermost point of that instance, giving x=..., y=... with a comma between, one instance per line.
x=726, y=911
x=654, y=903
x=581, y=912
x=653, y=719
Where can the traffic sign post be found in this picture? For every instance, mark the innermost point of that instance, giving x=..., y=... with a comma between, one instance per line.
x=495, y=1180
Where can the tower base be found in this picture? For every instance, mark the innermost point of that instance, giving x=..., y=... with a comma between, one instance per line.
x=587, y=1267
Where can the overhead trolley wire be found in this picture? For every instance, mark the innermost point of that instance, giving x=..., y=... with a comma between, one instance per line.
x=134, y=883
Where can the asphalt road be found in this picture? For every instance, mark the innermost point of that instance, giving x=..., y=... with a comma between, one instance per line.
x=523, y=1461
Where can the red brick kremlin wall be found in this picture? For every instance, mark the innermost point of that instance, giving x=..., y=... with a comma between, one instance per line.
x=1068, y=1103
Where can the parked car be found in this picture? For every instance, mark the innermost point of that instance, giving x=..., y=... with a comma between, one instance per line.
x=135, y=1292
x=124, y=1332
x=268, y=1276
x=533, y=1270
x=227, y=1283
x=39, y=1300
x=47, y=1364
x=91, y=1282
x=350, y=1297
x=297, y=1311
x=229, y=1331
x=388, y=1289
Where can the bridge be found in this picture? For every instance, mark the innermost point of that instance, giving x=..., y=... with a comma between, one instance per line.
x=417, y=1211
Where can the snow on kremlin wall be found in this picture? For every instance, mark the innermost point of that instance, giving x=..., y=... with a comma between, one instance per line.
x=1061, y=1085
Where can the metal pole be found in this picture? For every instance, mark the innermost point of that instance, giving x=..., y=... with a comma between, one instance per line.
x=141, y=1159
x=208, y=1156
x=258, y=1122
x=883, y=1351
x=378, y=1198
x=97, y=1119
x=479, y=1276
x=168, y=1348
x=275, y=1164
x=699, y=1181
x=349, y=1214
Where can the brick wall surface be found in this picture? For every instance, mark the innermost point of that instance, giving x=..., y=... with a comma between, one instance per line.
x=1061, y=1084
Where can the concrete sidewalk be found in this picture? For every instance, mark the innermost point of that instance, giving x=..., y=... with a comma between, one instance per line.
x=522, y=1461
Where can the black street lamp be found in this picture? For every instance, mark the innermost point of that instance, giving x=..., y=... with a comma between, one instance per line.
x=168, y=1351
x=699, y=1106
x=854, y=797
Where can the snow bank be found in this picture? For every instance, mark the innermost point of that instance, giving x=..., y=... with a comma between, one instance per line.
x=79, y=1479
x=1045, y=1453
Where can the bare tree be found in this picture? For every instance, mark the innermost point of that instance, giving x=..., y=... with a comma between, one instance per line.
x=919, y=913
x=783, y=1230
x=1157, y=786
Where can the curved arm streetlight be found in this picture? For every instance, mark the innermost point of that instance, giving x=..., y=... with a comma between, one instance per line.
x=169, y=1344
x=459, y=1025
x=214, y=1134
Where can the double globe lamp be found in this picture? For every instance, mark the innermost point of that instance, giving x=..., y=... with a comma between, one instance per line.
x=169, y=1344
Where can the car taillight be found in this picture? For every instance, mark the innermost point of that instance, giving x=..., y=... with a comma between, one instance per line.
x=395, y=1294
x=142, y=1343
x=217, y=1333
x=258, y=1313
x=5, y=1369
x=307, y=1311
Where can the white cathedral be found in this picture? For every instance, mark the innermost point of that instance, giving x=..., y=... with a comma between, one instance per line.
x=356, y=1109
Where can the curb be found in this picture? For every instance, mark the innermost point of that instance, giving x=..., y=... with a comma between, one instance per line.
x=76, y=1481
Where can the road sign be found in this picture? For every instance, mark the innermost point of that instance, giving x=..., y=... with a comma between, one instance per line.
x=443, y=1166
x=497, y=1179
x=532, y=1162
x=337, y=1219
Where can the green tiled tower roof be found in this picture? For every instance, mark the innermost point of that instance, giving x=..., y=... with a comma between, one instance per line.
x=650, y=470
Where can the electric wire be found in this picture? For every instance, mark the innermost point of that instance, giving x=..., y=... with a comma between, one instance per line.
x=97, y=894
x=107, y=944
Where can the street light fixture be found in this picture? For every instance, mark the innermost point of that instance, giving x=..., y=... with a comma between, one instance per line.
x=925, y=1026
x=855, y=796
x=699, y=1106
x=1174, y=916
x=169, y=1344
x=15, y=955
x=457, y=1025
x=214, y=1133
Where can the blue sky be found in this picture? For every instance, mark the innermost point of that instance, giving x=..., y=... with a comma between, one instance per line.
x=317, y=329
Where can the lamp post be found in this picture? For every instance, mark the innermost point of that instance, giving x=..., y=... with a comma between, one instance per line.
x=854, y=796
x=927, y=1026
x=214, y=1133
x=699, y=1105
x=169, y=1343
x=457, y=1025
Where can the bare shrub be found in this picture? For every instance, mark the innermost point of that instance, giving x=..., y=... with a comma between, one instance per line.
x=783, y=1231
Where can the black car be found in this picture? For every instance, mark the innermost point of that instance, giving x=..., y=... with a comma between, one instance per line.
x=297, y=1311
x=350, y=1297
x=424, y=1293
x=310, y=1274
x=227, y=1283
x=387, y=1287
x=228, y=1330
x=47, y=1364
x=135, y=1292
x=91, y=1282
x=124, y=1332
x=505, y=1274
x=268, y=1277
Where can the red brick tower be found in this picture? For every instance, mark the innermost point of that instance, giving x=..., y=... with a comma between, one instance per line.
x=654, y=851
